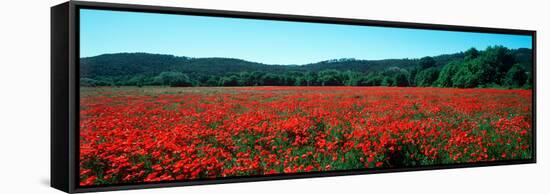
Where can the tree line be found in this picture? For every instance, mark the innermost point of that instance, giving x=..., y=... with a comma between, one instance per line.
x=495, y=67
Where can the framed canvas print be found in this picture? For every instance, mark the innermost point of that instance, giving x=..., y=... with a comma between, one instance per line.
x=148, y=96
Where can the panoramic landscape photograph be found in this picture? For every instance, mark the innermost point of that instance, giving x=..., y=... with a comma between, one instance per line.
x=182, y=98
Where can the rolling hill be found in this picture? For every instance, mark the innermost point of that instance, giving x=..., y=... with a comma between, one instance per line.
x=136, y=68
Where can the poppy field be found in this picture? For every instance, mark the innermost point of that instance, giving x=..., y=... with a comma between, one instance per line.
x=152, y=134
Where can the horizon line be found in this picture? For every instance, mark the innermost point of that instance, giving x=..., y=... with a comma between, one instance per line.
x=351, y=58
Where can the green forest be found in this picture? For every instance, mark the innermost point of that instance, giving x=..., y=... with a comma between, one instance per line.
x=494, y=67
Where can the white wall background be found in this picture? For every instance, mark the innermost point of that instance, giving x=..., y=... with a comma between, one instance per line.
x=25, y=96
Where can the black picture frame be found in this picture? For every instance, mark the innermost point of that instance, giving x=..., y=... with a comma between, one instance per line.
x=65, y=91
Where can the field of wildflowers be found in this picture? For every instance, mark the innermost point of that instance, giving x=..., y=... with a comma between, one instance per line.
x=151, y=134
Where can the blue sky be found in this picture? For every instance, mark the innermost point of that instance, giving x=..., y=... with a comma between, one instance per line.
x=270, y=42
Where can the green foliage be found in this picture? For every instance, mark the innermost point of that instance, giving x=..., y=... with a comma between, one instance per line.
x=412, y=76
x=516, y=76
x=387, y=81
x=470, y=54
x=495, y=66
x=230, y=81
x=311, y=78
x=372, y=79
x=174, y=79
x=87, y=82
x=463, y=78
x=270, y=79
x=212, y=81
x=331, y=78
x=489, y=68
x=446, y=75
x=427, y=62
x=401, y=79
x=427, y=77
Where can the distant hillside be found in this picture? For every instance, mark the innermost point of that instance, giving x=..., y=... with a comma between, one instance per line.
x=134, y=68
x=121, y=64
x=144, y=63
